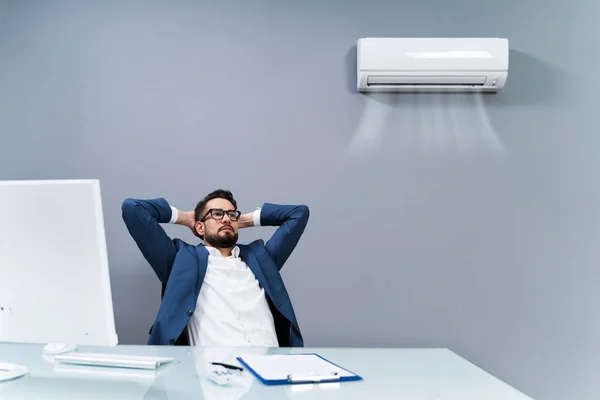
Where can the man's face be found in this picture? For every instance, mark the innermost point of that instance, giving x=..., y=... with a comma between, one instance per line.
x=218, y=228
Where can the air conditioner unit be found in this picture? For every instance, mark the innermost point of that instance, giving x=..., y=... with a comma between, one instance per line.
x=431, y=64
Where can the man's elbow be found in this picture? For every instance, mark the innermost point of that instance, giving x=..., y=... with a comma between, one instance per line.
x=304, y=213
x=128, y=208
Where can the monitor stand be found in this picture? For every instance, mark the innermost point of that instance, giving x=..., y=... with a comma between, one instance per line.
x=10, y=371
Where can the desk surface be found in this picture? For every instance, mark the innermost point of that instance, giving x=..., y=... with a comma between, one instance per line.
x=415, y=374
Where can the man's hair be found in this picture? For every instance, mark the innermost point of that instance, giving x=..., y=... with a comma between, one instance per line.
x=217, y=194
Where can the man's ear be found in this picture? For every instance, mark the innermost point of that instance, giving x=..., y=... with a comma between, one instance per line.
x=199, y=229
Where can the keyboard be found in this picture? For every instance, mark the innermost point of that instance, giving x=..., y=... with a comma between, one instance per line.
x=113, y=360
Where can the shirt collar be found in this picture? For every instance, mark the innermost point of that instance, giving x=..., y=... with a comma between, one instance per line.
x=235, y=252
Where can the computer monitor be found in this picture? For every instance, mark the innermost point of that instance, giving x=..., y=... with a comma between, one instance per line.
x=54, y=275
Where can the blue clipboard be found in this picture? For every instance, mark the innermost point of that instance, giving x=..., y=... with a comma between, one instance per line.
x=303, y=379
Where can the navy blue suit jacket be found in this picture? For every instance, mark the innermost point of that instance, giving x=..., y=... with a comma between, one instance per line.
x=181, y=267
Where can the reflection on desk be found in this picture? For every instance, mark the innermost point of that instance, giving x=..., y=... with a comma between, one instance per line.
x=416, y=374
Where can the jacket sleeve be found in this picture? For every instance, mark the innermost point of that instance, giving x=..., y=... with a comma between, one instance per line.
x=143, y=218
x=291, y=220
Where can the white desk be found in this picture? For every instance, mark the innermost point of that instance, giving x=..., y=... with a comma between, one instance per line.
x=410, y=374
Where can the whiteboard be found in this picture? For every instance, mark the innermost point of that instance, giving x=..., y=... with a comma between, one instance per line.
x=54, y=274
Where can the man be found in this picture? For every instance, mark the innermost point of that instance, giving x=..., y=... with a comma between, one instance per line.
x=219, y=293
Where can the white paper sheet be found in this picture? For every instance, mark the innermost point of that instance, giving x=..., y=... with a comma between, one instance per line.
x=279, y=366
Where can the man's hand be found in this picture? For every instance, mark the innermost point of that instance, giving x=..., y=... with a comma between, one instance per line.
x=246, y=220
x=187, y=218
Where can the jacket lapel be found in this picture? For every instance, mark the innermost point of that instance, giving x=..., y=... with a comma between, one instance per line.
x=250, y=260
x=280, y=301
x=202, y=266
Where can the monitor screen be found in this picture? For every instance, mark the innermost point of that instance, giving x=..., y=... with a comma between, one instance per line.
x=54, y=274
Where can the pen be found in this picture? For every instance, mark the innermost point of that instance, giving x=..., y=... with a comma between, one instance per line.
x=229, y=366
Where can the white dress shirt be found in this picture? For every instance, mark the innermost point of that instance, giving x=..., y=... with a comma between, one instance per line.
x=232, y=308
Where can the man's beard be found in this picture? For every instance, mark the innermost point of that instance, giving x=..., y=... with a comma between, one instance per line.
x=221, y=241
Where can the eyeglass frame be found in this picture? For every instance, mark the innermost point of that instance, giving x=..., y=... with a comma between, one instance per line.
x=238, y=213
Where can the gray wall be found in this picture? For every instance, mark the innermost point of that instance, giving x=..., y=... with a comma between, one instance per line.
x=451, y=221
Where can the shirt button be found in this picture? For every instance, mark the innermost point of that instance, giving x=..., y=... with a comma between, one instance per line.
x=171, y=341
x=189, y=313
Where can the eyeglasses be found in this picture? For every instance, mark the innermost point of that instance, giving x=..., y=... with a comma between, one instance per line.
x=217, y=213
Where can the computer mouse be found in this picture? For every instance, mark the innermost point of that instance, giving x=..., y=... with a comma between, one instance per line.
x=58, y=348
